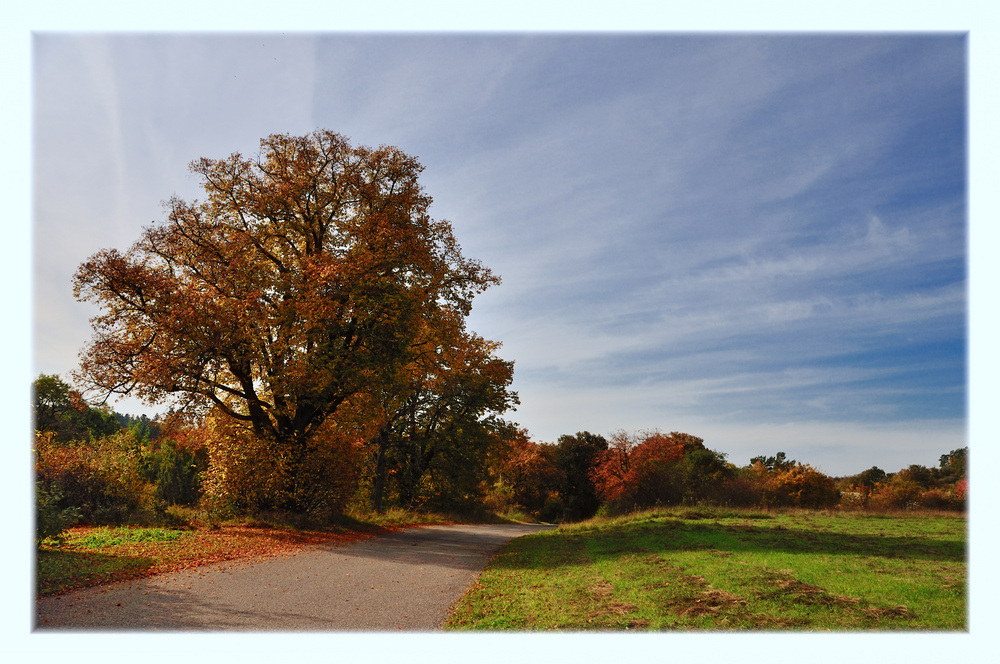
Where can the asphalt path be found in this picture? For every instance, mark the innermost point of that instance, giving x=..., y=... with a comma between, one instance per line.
x=405, y=580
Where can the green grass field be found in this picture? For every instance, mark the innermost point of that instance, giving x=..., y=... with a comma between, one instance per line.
x=714, y=569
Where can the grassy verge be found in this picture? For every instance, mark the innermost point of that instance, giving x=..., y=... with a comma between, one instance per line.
x=89, y=556
x=687, y=569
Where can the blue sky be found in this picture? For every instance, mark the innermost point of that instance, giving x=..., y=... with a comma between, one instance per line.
x=760, y=239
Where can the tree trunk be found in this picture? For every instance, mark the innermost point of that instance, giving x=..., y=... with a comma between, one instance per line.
x=379, y=484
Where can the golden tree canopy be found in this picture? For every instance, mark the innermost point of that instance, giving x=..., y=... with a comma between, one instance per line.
x=303, y=278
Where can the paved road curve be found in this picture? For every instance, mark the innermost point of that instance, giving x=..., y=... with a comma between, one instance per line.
x=406, y=580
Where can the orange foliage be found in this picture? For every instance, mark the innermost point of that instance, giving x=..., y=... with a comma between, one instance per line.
x=636, y=468
x=250, y=473
x=800, y=486
x=528, y=471
x=898, y=492
x=100, y=477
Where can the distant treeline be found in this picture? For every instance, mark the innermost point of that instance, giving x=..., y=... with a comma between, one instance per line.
x=98, y=466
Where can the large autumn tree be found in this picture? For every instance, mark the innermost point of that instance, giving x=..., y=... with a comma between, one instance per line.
x=304, y=278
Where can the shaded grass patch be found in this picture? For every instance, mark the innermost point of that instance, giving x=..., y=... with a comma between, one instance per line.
x=62, y=570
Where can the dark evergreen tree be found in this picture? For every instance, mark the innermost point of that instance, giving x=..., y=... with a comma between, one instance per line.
x=575, y=457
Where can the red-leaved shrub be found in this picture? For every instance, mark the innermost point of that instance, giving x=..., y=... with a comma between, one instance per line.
x=640, y=470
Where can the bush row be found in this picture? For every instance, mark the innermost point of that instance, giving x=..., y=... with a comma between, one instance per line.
x=113, y=479
x=631, y=471
x=222, y=466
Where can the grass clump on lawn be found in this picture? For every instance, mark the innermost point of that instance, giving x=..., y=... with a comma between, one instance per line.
x=105, y=537
x=710, y=569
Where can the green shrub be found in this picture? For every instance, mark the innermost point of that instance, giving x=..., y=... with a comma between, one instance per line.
x=51, y=520
x=706, y=476
x=175, y=472
x=574, y=458
x=552, y=510
x=744, y=489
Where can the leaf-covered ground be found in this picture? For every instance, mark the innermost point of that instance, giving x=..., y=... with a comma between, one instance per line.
x=93, y=555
